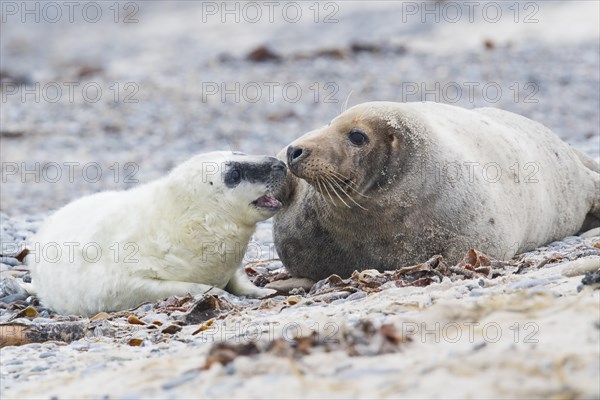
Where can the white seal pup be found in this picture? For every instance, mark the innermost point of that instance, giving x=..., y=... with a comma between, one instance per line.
x=185, y=233
x=387, y=185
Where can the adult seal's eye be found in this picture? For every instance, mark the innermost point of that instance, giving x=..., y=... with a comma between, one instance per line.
x=357, y=138
x=233, y=177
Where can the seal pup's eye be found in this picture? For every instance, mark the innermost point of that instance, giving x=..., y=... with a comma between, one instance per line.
x=233, y=177
x=357, y=138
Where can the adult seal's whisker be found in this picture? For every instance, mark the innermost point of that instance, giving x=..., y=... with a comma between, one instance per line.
x=329, y=182
x=333, y=179
x=329, y=194
x=347, y=182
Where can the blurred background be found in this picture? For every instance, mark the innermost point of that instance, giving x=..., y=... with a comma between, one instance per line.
x=105, y=95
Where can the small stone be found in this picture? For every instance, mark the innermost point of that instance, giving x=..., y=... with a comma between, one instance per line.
x=286, y=285
x=79, y=345
x=41, y=320
x=357, y=295
x=489, y=44
x=479, y=292
x=13, y=297
x=132, y=319
x=12, y=362
x=171, y=329
x=188, y=376
x=101, y=315
x=13, y=262
x=146, y=308
x=135, y=342
x=47, y=354
x=262, y=54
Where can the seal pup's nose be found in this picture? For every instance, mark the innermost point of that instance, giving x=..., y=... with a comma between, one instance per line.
x=278, y=166
x=295, y=154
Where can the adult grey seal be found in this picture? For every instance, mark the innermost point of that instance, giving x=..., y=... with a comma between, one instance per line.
x=386, y=185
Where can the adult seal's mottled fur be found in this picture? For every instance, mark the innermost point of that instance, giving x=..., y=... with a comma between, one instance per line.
x=387, y=185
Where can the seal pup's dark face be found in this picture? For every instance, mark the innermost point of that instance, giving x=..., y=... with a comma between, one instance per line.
x=347, y=159
x=243, y=187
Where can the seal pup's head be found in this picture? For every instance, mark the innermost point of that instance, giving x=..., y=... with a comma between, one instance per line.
x=359, y=152
x=241, y=187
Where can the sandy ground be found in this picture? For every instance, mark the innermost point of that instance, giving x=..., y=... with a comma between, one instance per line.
x=532, y=333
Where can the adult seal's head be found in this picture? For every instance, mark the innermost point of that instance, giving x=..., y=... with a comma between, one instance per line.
x=386, y=185
x=355, y=159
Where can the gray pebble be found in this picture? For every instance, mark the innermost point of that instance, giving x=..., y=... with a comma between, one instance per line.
x=13, y=297
x=188, y=376
x=43, y=321
x=479, y=292
x=14, y=361
x=528, y=283
x=23, y=234
x=79, y=345
x=357, y=295
x=230, y=369
x=47, y=354
x=146, y=308
x=274, y=265
x=13, y=262
x=9, y=285
x=40, y=368
x=260, y=270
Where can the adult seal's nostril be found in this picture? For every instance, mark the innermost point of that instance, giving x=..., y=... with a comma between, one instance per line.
x=295, y=154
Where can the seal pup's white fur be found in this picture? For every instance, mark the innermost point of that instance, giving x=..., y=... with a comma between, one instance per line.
x=185, y=233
